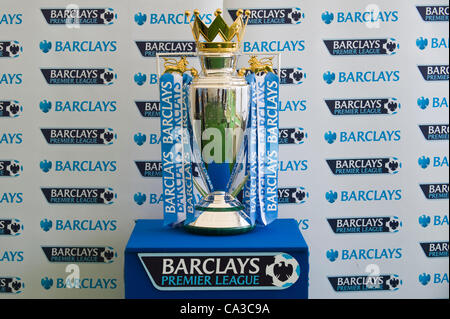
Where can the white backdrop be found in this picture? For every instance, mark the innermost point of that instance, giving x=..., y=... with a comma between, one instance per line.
x=108, y=116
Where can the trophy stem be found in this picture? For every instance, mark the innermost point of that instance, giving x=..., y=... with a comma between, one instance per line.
x=220, y=214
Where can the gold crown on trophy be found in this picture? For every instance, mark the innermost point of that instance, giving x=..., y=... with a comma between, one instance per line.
x=221, y=28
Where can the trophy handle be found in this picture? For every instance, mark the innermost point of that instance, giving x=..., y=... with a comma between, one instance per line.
x=258, y=65
x=179, y=66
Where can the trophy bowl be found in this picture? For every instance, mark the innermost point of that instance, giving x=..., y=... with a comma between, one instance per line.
x=218, y=118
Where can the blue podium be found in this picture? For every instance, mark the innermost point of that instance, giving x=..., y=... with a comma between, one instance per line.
x=170, y=263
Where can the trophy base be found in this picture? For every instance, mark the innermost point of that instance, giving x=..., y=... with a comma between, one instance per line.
x=219, y=213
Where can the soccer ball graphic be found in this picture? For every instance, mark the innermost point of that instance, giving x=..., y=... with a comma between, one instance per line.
x=391, y=46
x=393, y=224
x=108, y=76
x=296, y=15
x=108, y=16
x=392, y=106
x=13, y=49
x=299, y=195
x=298, y=135
x=14, y=168
x=297, y=76
x=393, y=165
x=393, y=282
x=284, y=271
x=107, y=196
x=14, y=109
x=107, y=136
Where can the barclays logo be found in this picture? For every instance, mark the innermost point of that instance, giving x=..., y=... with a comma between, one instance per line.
x=11, y=198
x=423, y=102
x=79, y=16
x=81, y=225
x=46, y=224
x=149, y=108
x=11, y=18
x=296, y=135
x=139, y=198
x=292, y=195
x=433, y=13
x=331, y=196
x=292, y=105
x=435, y=249
x=140, y=18
x=151, y=48
x=11, y=285
x=371, y=106
x=435, y=191
x=435, y=43
x=149, y=168
x=421, y=43
x=79, y=76
x=434, y=72
x=424, y=278
x=327, y=17
x=363, y=283
x=140, y=139
x=81, y=283
x=329, y=77
x=45, y=46
x=438, y=278
x=363, y=195
x=11, y=78
x=424, y=162
x=364, y=254
x=79, y=195
x=437, y=220
x=436, y=102
x=10, y=49
x=10, y=168
x=141, y=78
x=272, y=16
x=346, y=47
x=79, y=166
x=79, y=136
x=293, y=166
x=79, y=46
x=374, y=16
x=10, y=109
x=10, y=227
x=11, y=138
x=364, y=225
x=79, y=254
x=11, y=256
x=363, y=136
x=169, y=18
x=332, y=255
x=45, y=166
x=152, y=198
x=363, y=166
x=46, y=283
x=275, y=46
x=78, y=106
x=435, y=132
x=438, y=161
x=361, y=77
x=45, y=106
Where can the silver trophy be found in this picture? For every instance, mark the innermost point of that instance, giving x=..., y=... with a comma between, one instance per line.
x=218, y=117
